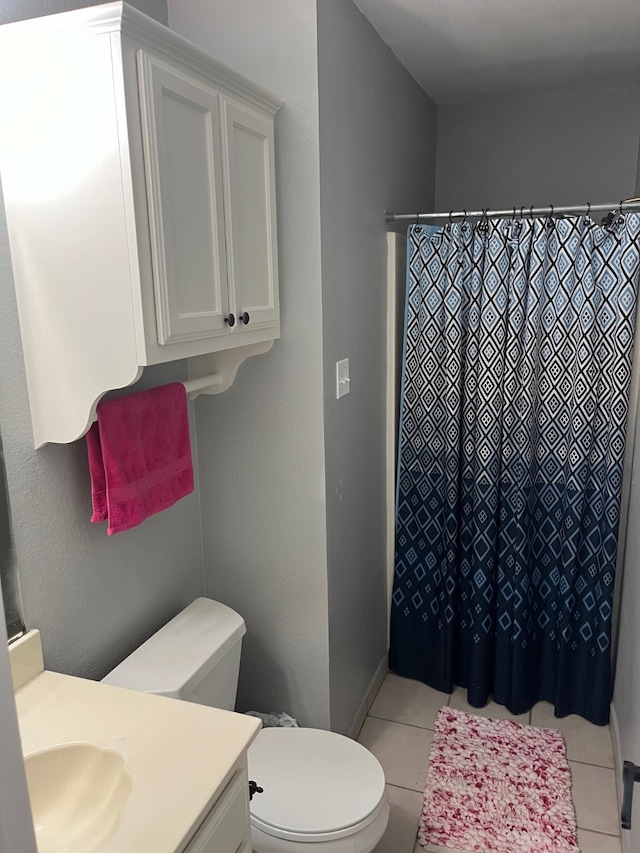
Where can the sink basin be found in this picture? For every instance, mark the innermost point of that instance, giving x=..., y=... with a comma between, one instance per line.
x=77, y=792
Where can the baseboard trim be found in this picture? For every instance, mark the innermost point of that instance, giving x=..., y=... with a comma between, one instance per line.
x=618, y=760
x=376, y=681
x=370, y=695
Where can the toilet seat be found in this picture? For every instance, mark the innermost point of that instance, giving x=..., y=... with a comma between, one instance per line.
x=318, y=786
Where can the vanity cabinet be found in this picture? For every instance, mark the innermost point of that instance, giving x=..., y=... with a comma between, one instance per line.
x=183, y=779
x=139, y=186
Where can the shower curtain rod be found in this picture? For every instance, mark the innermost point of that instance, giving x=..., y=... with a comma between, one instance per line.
x=519, y=212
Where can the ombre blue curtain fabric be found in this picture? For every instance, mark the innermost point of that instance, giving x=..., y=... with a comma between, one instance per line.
x=518, y=352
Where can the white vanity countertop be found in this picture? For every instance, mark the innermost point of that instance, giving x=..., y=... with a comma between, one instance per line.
x=179, y=754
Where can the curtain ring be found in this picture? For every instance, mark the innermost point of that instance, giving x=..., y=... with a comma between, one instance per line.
x=620, y=208
x=513, y=215
x=588, y=208
x=521, y=213
x=450, y=215
x=465, y=213
x=549, y=219
x=418, y=218
x=531, y=212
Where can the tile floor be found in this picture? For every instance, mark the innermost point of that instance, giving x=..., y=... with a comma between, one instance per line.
x=398, y=730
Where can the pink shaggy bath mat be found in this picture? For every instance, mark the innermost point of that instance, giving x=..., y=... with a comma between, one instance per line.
x=495, y=786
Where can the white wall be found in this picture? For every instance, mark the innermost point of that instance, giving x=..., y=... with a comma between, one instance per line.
x=557, y=148
x=260, y=444
x=377, y=153
x=93, y=597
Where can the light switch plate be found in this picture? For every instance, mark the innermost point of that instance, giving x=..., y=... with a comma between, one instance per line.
x=343, y=382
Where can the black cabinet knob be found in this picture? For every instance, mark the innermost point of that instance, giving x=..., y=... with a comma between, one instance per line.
x=230, y=320
x=245, y=318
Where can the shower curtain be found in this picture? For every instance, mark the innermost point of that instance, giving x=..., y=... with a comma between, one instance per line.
x=515, y=394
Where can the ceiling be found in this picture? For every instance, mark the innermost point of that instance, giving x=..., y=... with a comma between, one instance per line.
x=467, y=50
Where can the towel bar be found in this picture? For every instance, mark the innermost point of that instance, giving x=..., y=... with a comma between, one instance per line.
x=195, y=386
x=630, y=774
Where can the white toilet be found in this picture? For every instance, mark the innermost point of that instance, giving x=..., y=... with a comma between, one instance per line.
x=322, y=792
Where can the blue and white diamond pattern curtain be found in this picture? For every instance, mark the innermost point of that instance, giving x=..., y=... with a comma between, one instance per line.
x=517, y=367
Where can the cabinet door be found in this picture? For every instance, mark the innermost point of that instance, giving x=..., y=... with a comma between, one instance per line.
x=226, y=829
x=183, y=170
x=252, y=263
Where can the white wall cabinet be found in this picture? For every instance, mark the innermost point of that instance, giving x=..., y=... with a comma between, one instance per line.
x=139, y=186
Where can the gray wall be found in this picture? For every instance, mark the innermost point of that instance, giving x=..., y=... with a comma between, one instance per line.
x=93, y=597
x=19, y=10
x=559, y=148
x=377, y=153
x=626, y=697
x=261, y=443
x=16, y=826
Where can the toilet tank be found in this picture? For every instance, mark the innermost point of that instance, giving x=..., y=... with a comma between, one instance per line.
x=195, y=656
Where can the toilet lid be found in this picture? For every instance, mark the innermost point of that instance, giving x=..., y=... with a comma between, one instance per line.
x=315, y=783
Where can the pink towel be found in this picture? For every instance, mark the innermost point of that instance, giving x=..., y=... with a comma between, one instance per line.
x=139, y=456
